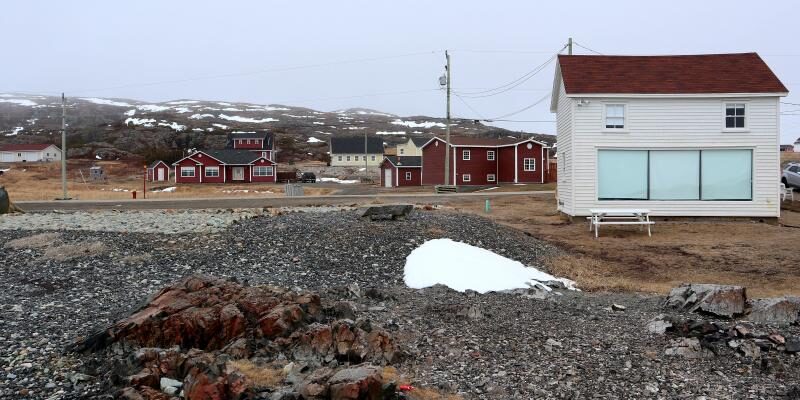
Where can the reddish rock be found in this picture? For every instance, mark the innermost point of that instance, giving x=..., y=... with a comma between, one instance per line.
x=357, y=383
x=129, y=393
x=200, y=386
x=145, y=377
x=315, y=385
x=281, y=320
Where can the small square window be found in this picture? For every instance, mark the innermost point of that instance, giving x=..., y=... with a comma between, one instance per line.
x=466, y=177
x=615, y=116
x=408, y=176
x=340, y=158
x=491, y=178
x=465, y=155
x=348, y=158
x=490, y=155
x=529, y=164
x=373, y=158
x=402, y=151
x=356, y=158
x=735, y=115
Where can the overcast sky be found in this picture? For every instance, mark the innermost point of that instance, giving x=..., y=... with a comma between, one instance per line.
x=385, y=55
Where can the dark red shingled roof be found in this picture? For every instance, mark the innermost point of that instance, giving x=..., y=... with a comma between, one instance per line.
x=24, y=147
x=691, y=74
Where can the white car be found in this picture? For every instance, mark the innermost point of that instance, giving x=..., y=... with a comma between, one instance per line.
x=791, y=175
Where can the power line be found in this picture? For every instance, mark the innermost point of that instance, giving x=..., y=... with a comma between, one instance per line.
x=586, y=48
x=520, y=110
x=469, y=106
x=510, y=85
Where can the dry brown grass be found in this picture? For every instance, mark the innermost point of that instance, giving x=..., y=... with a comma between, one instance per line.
x=260, y=377
x=34, y=242
x=74, y=250
x=391, y=374
x=593, y=274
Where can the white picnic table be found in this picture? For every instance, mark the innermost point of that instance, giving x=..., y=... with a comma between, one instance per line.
x=619, y=216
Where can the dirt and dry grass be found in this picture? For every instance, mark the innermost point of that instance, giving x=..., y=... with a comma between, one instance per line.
x=259, y=376
x=765, y=258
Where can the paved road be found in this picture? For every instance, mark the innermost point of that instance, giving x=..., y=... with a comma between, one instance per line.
x=258, y=202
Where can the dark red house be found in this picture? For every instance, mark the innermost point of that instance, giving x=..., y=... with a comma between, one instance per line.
x=158, y=171
x=248, y=158
x=485, y=161
x=401, y=171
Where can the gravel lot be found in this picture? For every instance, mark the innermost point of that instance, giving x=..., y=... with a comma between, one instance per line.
x=59, y=285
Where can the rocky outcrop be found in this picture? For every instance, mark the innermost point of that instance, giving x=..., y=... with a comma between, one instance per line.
x=718, y=300
x=187, y=337
x=775, y=311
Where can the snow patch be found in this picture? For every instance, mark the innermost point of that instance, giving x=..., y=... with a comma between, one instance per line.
x=183, y=102
x=146, y=122
x=314, y=140
x=336, y=180
x=152, y=108
x=390, y=133
x=16, y=131
x=182, y=110
x=165, y=190
x=220, y=126
x=415, y=124
x=174, y=125
x=318, y=123
x=130, y=113
x=245, y=119
x=201, y=116
x=106, y=102
x=464, y=267
x=19, y=102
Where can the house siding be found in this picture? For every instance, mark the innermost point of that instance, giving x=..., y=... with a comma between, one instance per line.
x=433, y=164
x=263, y=179
x=399, y=175
x=534, y=152
x=241, y=144
x=187, y=163
x=352, y=163
x=564, y=155
x=505, y=164
x=670, y=123
x=408, y=149
x=478, y=167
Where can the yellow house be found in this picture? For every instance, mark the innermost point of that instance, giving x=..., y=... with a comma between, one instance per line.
x=412, y=146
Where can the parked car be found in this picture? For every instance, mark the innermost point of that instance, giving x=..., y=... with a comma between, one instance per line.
x=308, y=177
x=791, y=175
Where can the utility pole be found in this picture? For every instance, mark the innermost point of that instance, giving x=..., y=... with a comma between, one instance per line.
x=64, y=147
x=447, y=128
x=365, y=156
x=569, y=46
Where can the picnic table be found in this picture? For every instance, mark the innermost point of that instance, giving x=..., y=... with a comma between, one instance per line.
x=619, y=216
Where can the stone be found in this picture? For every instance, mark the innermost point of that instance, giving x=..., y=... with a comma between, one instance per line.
x=315, y=385
x=780, y=311
x=659, y=324
x=357, y=383
x=389, y=211
x=749, y=349
x=687, y=348
x=344, y=310
x=617, y=307
x=472, y=312
x=170, y=383
x=792, y=344
x=718, y=300
x=776, y=338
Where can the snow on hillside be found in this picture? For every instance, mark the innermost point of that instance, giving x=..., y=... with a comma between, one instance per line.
x=148, y=123
x=152, y=108
x=246, y=119
x=415, y=124
x=390, y=133
x=106, y=102
x=19, y=102
x=201, y=116
x=314, y=140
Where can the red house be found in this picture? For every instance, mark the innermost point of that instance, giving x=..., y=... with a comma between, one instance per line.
x=158, y=171
x=401, y=171
x=248, y=158
x=485, y=161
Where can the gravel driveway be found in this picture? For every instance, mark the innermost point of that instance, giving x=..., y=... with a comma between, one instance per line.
x=59, y=285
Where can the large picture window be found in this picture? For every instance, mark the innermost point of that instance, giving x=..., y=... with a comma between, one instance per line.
x=674, y=174
x=262, y=171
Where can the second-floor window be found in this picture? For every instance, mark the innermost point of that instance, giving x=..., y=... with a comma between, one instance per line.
x=490, y=155
x=615, y=116
x=402, y=151
x=734, y=115
x=465, y=155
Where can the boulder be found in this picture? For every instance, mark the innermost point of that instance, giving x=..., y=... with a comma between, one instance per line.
x=718, y=300
x=792, y=344
x=687, y=348
x=659, y=324
x=391, y=211
x=361, y=382
x=775, y=311
x=6, y=206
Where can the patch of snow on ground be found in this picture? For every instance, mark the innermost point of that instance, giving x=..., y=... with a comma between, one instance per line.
x=415, y=124
x=491, y=188
x=146, y=122
x=243, y=132
x=318, y=123
x=464, y=267
x=16, y=131
x=245, y=119
x=220, y=126
x=31, y=121
x=130, y=113
x=314, y=140
x=336, y=180
x=152, y=108
x=165, y=190
x=324, y=133
x=21, y=102
x=174, y=125
x=390, y=133
x=232, y=109
x=201, y=116
x=182, y=110
x=183, y=102
x=106, y=102
x=356, y=128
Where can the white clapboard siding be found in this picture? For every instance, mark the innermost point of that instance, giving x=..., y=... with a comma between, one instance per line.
x=564, y=140
x=670, y=123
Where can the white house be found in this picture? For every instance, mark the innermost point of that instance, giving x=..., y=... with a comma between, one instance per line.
x=797, y=145
x=29, y=153
x=354, y=151
x=412, y=146
x=687, y=135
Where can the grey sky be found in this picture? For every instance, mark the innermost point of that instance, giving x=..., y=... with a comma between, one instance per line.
x=78, y=46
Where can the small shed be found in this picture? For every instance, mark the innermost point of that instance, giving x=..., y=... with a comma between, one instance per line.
x=96, y=173
x=158, y=171
x=401, y=171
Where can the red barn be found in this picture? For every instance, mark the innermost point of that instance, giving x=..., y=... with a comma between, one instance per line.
x=485, y=161
x=401, y=171
x=158, y=171
x=224, y=166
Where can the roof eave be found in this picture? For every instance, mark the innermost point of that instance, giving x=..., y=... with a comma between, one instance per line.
x=655, y=95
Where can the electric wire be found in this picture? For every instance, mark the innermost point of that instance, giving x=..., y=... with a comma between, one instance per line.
x=586, y=48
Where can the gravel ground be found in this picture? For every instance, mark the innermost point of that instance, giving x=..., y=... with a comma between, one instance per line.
x=569, y=345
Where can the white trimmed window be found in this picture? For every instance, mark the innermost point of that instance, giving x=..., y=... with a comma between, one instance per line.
x=735, y=115
x=490, y=155
x=615, y=116
x=187, y=172
x=348, y=158
x=465, y=155
x=356, y=158
x=340, y=158
x=466, y=177
x=491, y=178
x=248, y=141
x=262, y=170
x=408, y=176
x=402, y=151
x=529, y=164
x=373, y=158
x=212, y=171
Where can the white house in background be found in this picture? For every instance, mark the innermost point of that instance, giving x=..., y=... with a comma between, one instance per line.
x=412, y=147
x=29, y=153
x=686, y=135
x=797, y=145
x=354, y=151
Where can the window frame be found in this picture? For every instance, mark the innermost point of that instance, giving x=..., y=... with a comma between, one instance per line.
x=625, y=124
x=347, y=158
x=402, y=151
x=466, y=178
x=211, y=168
x=340, y=158
x=491, y=178
x=525, y=166
x=192, y=169
x=269, y=168
x=373, y=157
x=466, y=155
x=490, y=153
x=746, y=116
x=408, y=175
x=355, y=158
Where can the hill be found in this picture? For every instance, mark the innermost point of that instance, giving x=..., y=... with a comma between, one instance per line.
x=109, y=128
